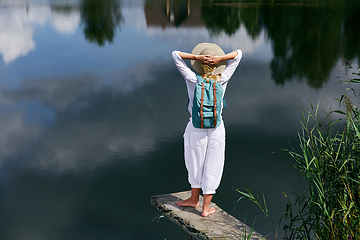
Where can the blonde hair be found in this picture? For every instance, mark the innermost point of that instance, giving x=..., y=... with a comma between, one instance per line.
x=207, y=72
x=216, y=78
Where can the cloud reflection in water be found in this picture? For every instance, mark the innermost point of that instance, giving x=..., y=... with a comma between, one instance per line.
x=115, y=111
x=18, y=24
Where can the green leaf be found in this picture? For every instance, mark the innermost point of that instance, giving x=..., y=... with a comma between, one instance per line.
x=339, y=111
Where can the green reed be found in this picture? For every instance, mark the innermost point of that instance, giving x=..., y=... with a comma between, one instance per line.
x=329, y=159
x=330, y=162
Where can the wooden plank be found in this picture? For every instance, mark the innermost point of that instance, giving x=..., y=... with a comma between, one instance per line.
x=219, y=225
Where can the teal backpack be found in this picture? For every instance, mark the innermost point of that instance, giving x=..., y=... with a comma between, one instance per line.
x=207, y=103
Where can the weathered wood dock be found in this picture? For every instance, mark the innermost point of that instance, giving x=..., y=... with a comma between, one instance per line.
x=219, y=225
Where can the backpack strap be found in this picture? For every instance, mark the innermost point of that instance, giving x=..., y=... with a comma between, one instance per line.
x=215, y=104
x=202, y=105
x=201, y=80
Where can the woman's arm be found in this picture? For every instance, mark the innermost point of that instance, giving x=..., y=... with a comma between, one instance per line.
x=203, y=59
x=189, y=75
x=216, y=59
x=208, y=59
x=232, y=65
x=185, y=71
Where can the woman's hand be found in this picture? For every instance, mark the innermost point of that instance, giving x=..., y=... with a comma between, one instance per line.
x=212, y=60
x=205, y=59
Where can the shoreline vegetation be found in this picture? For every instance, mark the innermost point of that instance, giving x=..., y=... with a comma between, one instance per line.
x=329, y=160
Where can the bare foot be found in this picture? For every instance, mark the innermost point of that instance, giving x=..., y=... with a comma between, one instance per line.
x=207, y=212
x=188, y=203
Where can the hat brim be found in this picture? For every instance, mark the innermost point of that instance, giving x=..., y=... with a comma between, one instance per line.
x=219, y=68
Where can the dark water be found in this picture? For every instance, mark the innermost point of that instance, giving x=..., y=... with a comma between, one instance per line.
x=92, y=108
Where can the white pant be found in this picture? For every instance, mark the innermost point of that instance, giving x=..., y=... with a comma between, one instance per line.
x=204, y=151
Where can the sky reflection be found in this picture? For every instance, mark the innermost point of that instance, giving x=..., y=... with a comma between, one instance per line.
x=17, y=38
x=18, y=25
x=64, y=91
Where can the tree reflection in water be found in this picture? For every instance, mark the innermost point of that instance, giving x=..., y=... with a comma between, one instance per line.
x=220, y=18
x=307, y=38
x=100, y=19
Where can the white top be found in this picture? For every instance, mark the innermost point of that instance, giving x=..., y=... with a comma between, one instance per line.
x=190, y=76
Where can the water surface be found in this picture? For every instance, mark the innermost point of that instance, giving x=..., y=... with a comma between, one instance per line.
x=92, y=108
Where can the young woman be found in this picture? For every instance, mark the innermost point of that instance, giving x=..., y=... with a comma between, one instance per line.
x=204, y=149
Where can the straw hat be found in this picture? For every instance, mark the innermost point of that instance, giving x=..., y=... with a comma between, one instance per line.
x=212, y=49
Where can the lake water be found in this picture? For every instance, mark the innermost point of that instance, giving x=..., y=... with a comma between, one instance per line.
x=92, y=108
